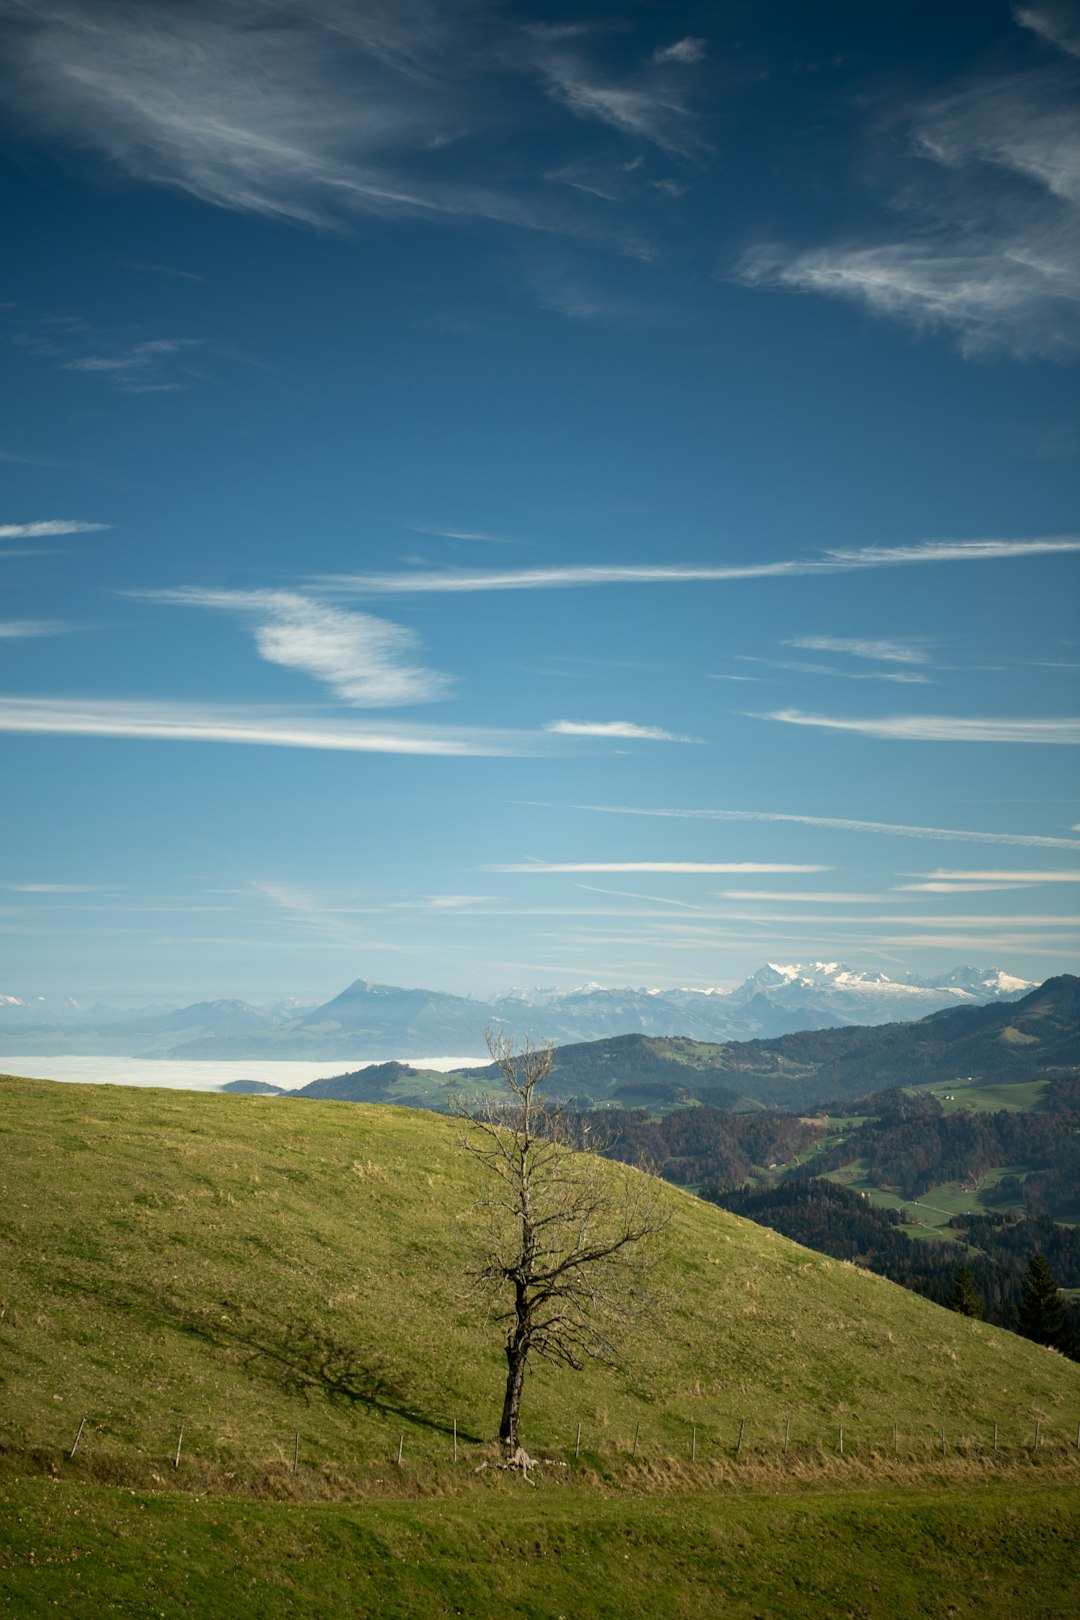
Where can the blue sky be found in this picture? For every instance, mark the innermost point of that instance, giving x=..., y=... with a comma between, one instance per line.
x=504, y=494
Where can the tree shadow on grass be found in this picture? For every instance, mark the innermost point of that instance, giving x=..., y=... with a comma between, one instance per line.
x=301, y=1357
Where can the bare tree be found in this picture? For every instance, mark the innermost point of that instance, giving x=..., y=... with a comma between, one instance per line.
x=565, y=1246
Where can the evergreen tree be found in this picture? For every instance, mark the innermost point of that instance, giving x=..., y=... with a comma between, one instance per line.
x=964, y=1296
x=1042, y=1309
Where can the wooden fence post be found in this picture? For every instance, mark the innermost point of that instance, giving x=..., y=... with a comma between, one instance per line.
x=78, y=1437
x=637, y=1431
x=400, y=1448
x=742, y=1431
x=577, y=1442
x=179, y=1443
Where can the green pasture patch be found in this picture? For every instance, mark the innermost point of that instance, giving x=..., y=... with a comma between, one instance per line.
x=813, y=1151
x=852, y=1174
x=931, y=1234
x=544, y=1554
x=986, y=1099
x=987, y=1198
x=880, y=1196
x=938, y=1206
x=932, y=1211
x=952, y=1198
x=1017, y=1037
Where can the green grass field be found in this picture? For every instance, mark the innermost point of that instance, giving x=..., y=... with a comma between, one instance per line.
x=272, y=1276
x=1016, y=1098
x=935, y=1209
x=545, y=1555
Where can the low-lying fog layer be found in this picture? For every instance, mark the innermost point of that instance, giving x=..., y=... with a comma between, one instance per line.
x=203, y=1074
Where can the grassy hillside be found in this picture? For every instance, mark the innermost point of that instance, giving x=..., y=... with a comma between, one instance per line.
x=252, y=1269
x=269, y=1274
x=383, y=1083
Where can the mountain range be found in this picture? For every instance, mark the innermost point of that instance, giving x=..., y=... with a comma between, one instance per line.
x=1037, y=1036
x=374, y=1021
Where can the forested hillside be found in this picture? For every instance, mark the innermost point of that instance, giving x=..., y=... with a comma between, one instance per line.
x=704, y=1145
x=996, y=1250
x=911, y=1145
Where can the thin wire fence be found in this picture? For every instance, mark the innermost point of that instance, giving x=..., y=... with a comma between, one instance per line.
x=737, y=1448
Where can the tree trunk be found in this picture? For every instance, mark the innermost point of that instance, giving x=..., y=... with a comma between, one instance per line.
x=517, y=1349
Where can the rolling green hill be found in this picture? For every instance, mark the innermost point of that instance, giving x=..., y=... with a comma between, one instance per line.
x=382, y=1083
x=252, y=1269
x=288, y=1285
x=633, y=1071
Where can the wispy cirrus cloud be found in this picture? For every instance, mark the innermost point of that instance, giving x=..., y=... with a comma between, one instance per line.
x=937, y=727
x=954, y=888
x=151, y=367
x=1043, y=876
x=147, y=364
x=455, y=902
x=653, y=117
x=328, y=112
x=159, y=270
x=540, y=867
x=567, y=576
x=989, y=184
x=1021, y=297
x=54, y=888
x=904, y=677
x=450, y=532
x=568, y=285
x=48, y=528
x=1055, y=23
x=847, y=824
x=690, y=49
x=886, y=652
x=251, y=725
x=31, y=629
x=293, y=114
x=615, y=729
x=804, y=896
x=649, y=102
x=366, y=661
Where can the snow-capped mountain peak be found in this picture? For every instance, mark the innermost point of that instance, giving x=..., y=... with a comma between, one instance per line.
x=386, y=1020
